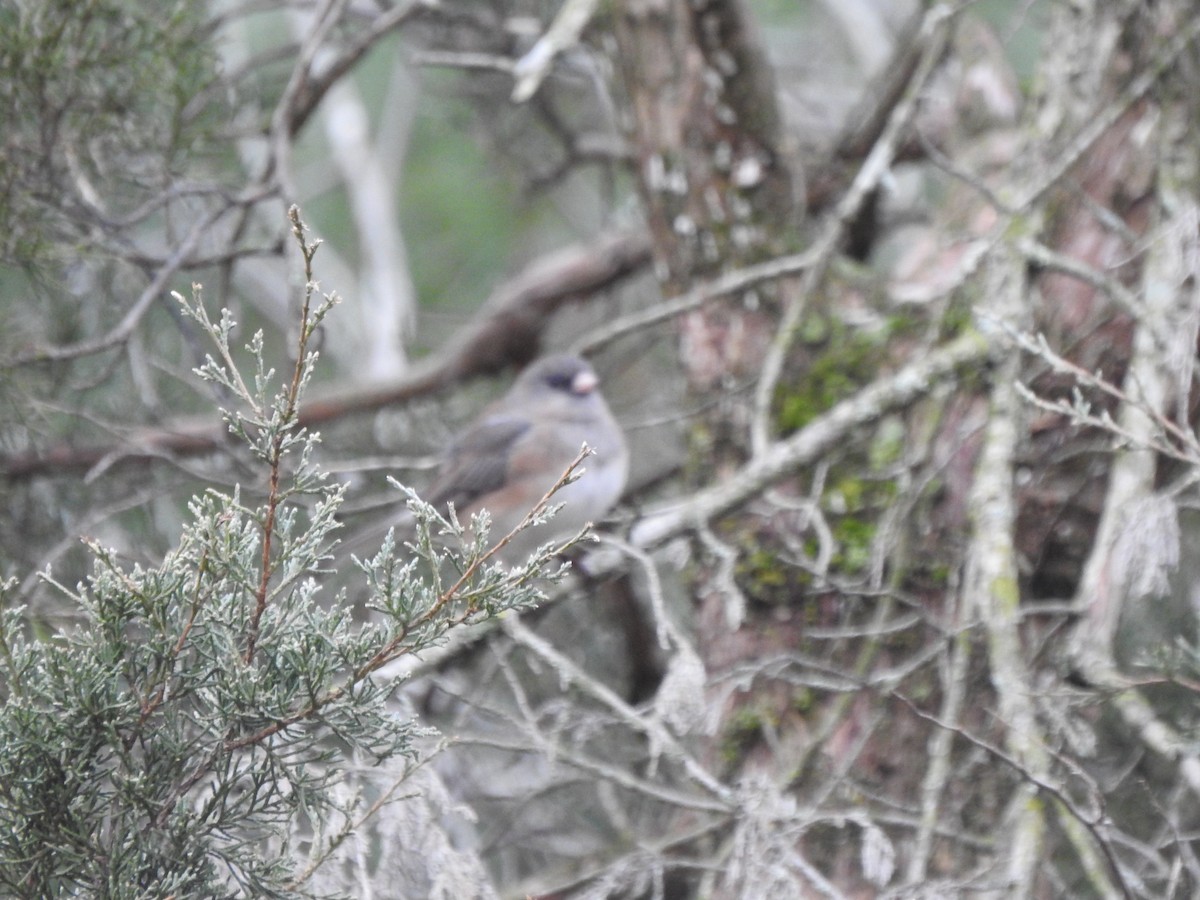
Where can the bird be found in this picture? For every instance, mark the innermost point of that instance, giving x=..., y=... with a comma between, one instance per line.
x=523, y=443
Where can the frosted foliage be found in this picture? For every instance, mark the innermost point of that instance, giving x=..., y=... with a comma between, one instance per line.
x=405, y=851
x=878, y=855
x=680, y=701
x=636, y=876
x=764, y=863
x=1064, y=720
x=1146, y=550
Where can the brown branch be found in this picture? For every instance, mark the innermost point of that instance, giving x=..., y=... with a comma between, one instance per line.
x=829, y=178
x=123, y=330
x=288, y=420
x=506, y=332
x=868, y=122
x=310, y=90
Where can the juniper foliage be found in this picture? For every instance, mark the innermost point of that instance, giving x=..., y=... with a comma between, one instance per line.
x=171, y=744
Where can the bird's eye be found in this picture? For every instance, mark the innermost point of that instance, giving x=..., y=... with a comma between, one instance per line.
x=560, y=381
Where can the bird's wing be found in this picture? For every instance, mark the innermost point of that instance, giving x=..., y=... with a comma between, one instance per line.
x=478, y=463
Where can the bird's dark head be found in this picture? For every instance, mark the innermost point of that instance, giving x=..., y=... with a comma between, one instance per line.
x=563, y=373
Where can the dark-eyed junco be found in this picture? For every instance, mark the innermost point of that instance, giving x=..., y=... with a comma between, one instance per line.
x=523, y=443
x=517, y=450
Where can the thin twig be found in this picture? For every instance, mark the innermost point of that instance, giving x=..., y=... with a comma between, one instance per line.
x=934, y=32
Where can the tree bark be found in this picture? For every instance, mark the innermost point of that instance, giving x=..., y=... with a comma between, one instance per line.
x=719, y=182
